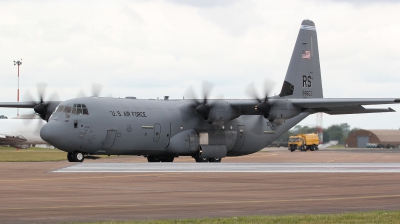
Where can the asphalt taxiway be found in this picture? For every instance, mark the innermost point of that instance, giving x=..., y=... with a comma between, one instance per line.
x=48, y=192
x=232, y=168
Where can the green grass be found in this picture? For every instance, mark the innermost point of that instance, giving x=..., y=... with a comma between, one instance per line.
x=336, y=147
x=9, y=154
x=359, y=217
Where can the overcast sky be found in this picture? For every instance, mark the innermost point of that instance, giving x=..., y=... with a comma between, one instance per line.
x=149, y=49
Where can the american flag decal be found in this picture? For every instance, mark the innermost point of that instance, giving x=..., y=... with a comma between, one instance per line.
x=305, y=54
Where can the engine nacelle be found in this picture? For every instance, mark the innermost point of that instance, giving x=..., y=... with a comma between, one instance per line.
x=222, y=112
x=282, y=110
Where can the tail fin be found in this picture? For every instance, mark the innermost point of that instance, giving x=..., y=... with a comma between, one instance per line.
x=303, y=77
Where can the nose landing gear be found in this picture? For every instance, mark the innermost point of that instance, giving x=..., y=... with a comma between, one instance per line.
x=75, y=156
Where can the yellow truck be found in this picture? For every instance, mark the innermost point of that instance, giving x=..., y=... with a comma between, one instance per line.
x=303, y=142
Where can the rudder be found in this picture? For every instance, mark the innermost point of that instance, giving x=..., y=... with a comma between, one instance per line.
x=303, y=77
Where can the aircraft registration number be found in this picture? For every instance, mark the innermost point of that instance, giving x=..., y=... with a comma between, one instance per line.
x=307, y=93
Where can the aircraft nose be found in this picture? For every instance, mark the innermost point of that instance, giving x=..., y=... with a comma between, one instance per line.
x=52, y=132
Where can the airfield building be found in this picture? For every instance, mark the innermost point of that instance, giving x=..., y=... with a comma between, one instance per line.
x=377, y=138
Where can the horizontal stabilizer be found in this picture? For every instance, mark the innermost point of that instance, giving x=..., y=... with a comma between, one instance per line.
x=332, y=102
x=354, y=110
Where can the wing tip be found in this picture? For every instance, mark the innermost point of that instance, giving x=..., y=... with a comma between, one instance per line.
x=397, y=100
x=391, y=110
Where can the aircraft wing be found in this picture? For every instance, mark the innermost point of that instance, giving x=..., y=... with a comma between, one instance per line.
x=17, y=104
x=11, y=138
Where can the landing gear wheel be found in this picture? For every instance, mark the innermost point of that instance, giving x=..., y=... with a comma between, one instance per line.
x=153, y=159
x=201, y=160
x=70, y=157
x=215, y=160
x=78, y=157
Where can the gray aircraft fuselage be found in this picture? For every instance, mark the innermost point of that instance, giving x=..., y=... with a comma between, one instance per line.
x=155, y=127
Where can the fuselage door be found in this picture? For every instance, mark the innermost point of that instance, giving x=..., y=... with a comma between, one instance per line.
x=110, y=138
x=240, y=137
x=157, y=132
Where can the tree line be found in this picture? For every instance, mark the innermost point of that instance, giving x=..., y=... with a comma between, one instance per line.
x=336, y=132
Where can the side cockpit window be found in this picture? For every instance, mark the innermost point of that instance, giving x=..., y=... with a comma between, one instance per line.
x=67, y=109
x=80, y=109
x=60, y=109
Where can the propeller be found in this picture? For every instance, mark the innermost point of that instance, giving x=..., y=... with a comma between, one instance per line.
x=203, y=105
x=263, y=106
x=43, y=106
x=96, y=90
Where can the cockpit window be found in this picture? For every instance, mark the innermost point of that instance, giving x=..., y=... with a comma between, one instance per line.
x=80, y=109
x=85, y=110
x=60, y=109
x=74, y=109
x=67, y=109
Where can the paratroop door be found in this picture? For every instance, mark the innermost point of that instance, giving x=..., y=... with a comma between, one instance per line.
x=110, y=138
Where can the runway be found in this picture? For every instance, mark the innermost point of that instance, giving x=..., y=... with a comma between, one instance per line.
x=232, y=168
x=275, y=181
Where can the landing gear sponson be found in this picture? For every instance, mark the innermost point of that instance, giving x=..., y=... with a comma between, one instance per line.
x=152, y=159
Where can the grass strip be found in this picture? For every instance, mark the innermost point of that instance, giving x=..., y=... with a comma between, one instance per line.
x=352, y=217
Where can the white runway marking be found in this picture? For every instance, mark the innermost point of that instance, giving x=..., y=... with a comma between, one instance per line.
x=233, y=168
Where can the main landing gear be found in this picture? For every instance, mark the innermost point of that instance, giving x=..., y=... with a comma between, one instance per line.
x=205, y=160
x=75, y=156
x=152, y=159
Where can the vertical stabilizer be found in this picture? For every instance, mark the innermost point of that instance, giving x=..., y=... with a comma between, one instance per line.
x=303, y=77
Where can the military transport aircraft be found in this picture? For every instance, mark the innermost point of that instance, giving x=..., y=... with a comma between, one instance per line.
x=21, y=131
x=204, y=129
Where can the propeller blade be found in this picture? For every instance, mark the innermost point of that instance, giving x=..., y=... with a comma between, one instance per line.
x=96, y=89
x=190, y=95
x=207, y=88
x=267, y=88
x=80, y=93
x=251, y=91
x=41, y=86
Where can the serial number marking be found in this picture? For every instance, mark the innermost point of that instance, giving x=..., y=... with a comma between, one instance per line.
x=307, y=93
x=127, y=113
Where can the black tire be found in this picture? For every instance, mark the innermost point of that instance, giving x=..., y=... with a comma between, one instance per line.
x=153, y=159
x=70, y=157
x=302, y=149
x=168, y=159
x=215, y=160
x=199, y=159
x=292, y=150
x=312, y=148
x=78, y=157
